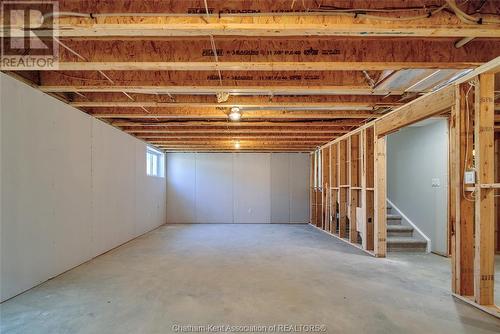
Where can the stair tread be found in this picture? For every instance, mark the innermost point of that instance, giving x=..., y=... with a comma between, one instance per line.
x=406, y=240
x=399, y=228
x=392, y=216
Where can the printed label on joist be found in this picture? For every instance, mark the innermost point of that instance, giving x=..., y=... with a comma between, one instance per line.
x=256, y=52
x=486, y=129
x=222, y=11
x=486, y=99
x=294, y=77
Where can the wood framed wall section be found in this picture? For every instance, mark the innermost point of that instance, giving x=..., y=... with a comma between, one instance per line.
x=325, y=186
x=348, y=190
x=312, y=190
x=469, y=102
x=334, y=189
x=497, y=198
x=472, y=206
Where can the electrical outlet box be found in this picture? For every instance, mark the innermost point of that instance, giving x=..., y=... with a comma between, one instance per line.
x=470, y=177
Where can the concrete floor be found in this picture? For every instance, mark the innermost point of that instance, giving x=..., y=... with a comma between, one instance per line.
x=246, y=275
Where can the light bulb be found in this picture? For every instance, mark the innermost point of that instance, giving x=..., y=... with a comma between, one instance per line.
x=235, y=115
x=237, y=145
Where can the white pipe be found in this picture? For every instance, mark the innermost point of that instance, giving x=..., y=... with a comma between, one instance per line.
x=463, y=41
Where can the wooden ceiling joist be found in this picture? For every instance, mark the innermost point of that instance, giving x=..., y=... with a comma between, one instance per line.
x=242, y=66
x=237, y=100
x=257, y=132
x=262, y=106
x=369, y=51
x=316, y=114
x=243, y=124
x=317, y=140
x=442, y=24
x=243, y=90
x=306, y=141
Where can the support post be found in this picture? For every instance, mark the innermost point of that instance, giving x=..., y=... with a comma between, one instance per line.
x=461, y=200
x=484, y=198
x=380, y=226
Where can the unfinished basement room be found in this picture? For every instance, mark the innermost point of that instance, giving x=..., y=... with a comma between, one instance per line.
x=237, y=166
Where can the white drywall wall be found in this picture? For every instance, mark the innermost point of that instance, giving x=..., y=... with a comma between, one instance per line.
x=237, y=187
x=214, y=189
x=252, y=188
x=72, y=188
x=181, y=187
x=280, y=188
x=415, y=156
x=298, y=181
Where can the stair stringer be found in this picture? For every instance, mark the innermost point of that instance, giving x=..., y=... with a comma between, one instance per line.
x=415, y=227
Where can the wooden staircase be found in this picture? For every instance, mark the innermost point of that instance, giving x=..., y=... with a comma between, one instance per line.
x=400, y=237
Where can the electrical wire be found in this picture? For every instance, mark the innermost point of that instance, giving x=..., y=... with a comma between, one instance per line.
x=322, y=10
x=467, y=124
x=466, y=18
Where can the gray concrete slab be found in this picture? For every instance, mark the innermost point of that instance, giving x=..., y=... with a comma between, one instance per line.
x=246, y=275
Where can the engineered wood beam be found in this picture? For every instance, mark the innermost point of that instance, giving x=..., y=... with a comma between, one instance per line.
x=261, y=106
x=258, y=132
x=334, y=114
x=305, y=24
x=309, y=141
x=237, y=100
x=240, y=137
x=253, y=90
x=242, y=124
x=231, y=144
x=201, y=79
x=440, y=53
x=239, y=66
x=484, y=136
x=233, y=150
x=202, y=134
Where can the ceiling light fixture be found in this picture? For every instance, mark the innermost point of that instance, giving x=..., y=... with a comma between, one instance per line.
x=235, y=114
x=237, y=145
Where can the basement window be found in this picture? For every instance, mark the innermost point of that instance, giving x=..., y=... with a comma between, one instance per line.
x=155, y=162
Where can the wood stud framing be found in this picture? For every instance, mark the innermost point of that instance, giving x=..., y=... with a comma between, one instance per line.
x=470, y=105
x=349, y=182
x=472, y=207
x=484, y=260
x=462, y=202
